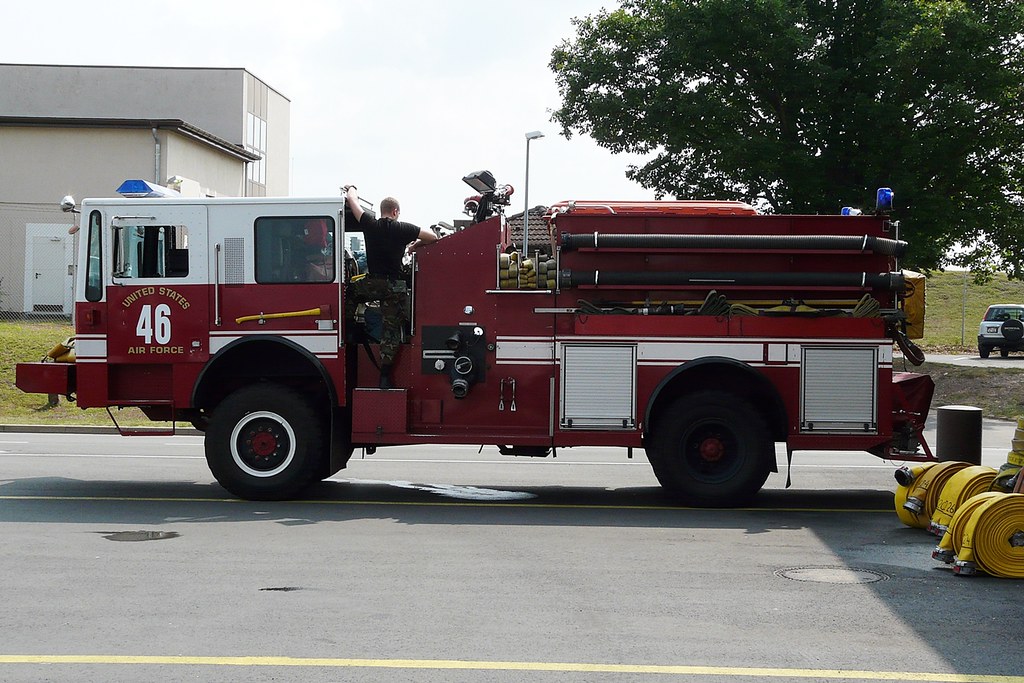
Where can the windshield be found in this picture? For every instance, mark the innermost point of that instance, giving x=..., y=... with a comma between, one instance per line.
x=1004, y=313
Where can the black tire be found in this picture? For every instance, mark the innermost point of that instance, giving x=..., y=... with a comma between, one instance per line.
x=983, y=351
x=711, y=449
x=265, y=442
x=1004, y=352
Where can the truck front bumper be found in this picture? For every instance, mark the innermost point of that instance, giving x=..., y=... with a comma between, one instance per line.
x=45, y=378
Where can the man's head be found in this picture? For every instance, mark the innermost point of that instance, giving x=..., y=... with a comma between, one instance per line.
x=389, y=208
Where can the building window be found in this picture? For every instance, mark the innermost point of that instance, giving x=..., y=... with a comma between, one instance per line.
x=257, y=107
x=257, y=143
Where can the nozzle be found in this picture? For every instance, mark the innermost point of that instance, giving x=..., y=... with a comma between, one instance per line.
x=965, y=568
x=906, y=475
x=915, y=505
x=454, y=342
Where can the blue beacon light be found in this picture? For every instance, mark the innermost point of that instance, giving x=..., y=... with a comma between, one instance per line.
x=144, y=188
x=883, y=200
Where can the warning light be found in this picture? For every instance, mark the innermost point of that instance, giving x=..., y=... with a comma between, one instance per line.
x=144, y=188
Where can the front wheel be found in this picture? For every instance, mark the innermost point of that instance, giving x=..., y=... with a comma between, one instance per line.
x=265, y=442
x=711, y=448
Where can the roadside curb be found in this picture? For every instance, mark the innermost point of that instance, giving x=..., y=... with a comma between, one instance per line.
x=82, y=429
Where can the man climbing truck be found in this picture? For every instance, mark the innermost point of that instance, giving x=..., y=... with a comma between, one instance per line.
x=702, y=332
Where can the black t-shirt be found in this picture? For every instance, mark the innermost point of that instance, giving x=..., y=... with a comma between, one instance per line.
x=385, y=244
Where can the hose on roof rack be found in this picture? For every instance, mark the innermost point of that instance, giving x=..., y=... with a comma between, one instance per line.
x=862, y=243
x=612, y=278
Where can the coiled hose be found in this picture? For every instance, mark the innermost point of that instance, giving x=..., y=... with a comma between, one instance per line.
x=962, y=486
x=867, y=307
x=919, y=490
x=993, y=539
x=714, y=304
x=953, y=539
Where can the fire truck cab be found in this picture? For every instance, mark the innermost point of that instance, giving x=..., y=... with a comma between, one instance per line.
x=702, y=332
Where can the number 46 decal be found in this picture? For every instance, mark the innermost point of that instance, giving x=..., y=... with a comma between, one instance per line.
x=154, y=323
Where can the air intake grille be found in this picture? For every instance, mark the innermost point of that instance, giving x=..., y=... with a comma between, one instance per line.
x=234, y=261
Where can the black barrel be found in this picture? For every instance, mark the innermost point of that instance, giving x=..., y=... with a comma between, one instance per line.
x=958, y=434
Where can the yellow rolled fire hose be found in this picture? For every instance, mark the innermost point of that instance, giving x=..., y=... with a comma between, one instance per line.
x=923, y=492
x=963, y=485
x=993, y=539
x=946, y=550
x=905, y=477
x=62, y=352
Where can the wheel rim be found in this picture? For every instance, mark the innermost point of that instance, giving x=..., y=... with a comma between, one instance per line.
x=263, y=444
x=712, y=451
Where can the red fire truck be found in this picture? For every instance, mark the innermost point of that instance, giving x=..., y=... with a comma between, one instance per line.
x=703, y=332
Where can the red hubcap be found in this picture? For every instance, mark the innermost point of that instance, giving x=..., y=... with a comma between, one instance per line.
x=263, y=444
x=712, y=449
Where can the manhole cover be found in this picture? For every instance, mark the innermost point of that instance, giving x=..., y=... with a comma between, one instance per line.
x=826, y=574
x=138, y=535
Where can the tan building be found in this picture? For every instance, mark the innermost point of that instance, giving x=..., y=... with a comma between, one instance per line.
x=82, y=130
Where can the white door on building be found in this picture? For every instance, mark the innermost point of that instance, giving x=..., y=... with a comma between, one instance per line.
x=48, y=273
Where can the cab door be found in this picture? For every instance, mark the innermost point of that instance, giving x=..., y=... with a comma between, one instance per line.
x=157, y=303
x=277, y=274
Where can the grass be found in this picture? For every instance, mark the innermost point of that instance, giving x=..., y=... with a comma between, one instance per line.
x=24, y=341
x=954, y=307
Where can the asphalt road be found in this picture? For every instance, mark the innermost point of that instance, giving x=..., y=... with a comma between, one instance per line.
x=124, y=561
x=1015, y=360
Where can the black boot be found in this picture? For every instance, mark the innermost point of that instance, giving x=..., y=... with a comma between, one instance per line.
x=385, y=376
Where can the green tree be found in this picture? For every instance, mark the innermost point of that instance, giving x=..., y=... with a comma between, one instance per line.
x=809, y=105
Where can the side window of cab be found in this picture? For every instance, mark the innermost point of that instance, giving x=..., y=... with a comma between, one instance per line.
x=150, y=251
x=294, y=249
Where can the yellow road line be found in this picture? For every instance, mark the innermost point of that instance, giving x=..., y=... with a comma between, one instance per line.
x=428, y=503
x=566, y=667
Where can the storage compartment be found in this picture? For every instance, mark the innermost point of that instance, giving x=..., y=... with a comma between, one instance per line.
x=598, y=386
x=377, y=413
x=839, y=389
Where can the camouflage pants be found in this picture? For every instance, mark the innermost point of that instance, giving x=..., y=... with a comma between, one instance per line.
x=392, y=309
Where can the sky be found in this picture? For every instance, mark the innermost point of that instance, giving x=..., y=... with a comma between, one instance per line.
x=397, y=97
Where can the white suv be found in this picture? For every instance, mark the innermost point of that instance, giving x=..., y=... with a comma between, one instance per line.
x=1002, y=328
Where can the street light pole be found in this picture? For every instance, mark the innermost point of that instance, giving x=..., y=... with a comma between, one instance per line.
x=533, y=135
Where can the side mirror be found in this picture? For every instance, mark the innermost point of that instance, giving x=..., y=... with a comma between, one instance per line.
x=67, y=205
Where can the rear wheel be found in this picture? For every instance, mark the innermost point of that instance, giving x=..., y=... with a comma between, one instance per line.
x=265, y=442
x=983, y=350
x=711, y=448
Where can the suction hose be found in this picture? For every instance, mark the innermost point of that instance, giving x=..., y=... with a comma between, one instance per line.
x=962, y=486
x=864, y=243
x=665, y=278
x=993, y=539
